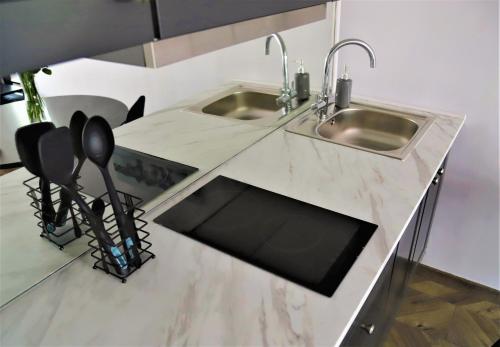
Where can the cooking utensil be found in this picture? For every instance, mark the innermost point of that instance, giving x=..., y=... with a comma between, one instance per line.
x=98, y=145
x=26, y=139
x=98, y=207
x=76, y=125
x=56, y=158
x=136, y=111
x=130, y=213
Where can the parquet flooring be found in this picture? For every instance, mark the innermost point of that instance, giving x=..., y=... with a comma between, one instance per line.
x=6, y=171
x=440, y=310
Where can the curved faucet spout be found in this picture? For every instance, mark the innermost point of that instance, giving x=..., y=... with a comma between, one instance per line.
x=333, y=50
x=284, y=58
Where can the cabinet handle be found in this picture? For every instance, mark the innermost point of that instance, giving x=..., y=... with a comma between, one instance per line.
x=441, y=171
x=435, y=180
x=369, y=328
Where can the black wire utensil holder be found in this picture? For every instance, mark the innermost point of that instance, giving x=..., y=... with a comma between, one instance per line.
x=65, y=232
x=106, y=261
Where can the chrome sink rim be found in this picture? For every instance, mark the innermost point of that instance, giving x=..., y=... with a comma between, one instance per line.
x=309, y=125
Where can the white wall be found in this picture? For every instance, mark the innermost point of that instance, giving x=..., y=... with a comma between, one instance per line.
x=167, y=85
x=442, y=55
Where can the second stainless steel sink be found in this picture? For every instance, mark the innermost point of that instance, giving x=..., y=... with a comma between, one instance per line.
x=251, y=103
x=244, y=105
x=372, y=129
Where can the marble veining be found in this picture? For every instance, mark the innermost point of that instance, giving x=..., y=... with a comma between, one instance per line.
x=204, y=142
x=192, y=294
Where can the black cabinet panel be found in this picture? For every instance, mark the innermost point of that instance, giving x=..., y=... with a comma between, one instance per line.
x=429, y=207
x=177, y=17
x=34, y=33
x=382, y=304
x=402, y=263
x=374, y=314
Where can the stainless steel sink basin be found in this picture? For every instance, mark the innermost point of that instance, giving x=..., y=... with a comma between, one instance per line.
x=248, y=102
x=244, y=105
x=377, y=130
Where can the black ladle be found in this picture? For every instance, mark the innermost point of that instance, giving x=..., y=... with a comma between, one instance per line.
x=57, y=162
x=98, y=145
x=27, y=138
x=76, y=125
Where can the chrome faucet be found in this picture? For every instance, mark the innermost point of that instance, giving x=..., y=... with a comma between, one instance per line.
x=323, y=100
x=287, y=93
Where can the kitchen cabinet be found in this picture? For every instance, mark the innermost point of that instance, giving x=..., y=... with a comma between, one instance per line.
x=402, y=262
x=370, y=325
x=376, y=315
x=36, y=33
x=427, y=214
x=178, y=17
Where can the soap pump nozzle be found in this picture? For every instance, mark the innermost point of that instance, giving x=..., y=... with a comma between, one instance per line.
x=301, y=66
x=345, y=75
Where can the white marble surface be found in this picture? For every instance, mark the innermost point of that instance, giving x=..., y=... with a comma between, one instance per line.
x=194, y=295
x=25, y=258
x=176, y=134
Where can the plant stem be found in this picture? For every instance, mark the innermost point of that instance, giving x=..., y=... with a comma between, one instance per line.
x=34, y=103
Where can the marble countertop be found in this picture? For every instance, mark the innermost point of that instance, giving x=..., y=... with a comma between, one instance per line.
x=191, y=294
x=177, y=134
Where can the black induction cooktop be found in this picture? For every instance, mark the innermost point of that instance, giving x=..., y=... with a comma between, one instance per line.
x=135, y=173
x=311, y=246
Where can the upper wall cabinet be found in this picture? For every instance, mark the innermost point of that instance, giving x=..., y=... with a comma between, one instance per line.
x=178, y=17
x=34, y=33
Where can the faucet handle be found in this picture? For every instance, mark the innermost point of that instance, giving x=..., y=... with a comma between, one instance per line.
x=319, y=105
x=283, y=99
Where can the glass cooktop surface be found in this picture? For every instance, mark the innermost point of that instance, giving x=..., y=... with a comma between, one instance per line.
x=306, y=244
x=135, y=173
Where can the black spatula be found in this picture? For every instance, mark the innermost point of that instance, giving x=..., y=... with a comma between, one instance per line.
x=27, y=138
x=56, y=154
x=98, y=145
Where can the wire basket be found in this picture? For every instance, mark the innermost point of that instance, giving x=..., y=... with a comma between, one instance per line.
x=102, y=257
x=68, y=229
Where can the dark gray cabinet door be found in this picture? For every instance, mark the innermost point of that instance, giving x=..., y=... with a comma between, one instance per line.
x=402, y=263
x=382, y=304
x=429, y=206
x=35, y=33
x=177, y=17
x=371, y=324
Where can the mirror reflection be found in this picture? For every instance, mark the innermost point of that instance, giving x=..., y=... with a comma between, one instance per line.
x=171, y=126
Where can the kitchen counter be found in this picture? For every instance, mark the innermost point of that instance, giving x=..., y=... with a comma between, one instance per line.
x=177, y=134
x=191, y=294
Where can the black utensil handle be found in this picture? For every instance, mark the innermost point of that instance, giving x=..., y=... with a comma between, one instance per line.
x=78, y=167
x=48, y=212
x=113, y=195
x=102, y=236
x=125, y=225
x=130, y=214
x=127, y=233
x=64, y=206
x=76, y=226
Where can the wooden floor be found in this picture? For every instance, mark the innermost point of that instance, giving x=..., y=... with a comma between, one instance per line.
x=440, y=310
x=5, y=171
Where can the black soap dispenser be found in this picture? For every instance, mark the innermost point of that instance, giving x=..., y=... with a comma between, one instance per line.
x=302, y=82
x=343, y=90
